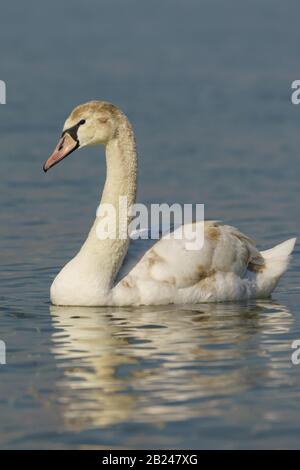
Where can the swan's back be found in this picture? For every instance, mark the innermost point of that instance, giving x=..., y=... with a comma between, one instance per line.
x=227, y=267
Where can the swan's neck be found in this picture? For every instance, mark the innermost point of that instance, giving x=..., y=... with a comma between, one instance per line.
x=105, y=256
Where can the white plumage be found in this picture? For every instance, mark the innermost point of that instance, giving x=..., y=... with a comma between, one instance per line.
x=116, y=272
x=228, y=267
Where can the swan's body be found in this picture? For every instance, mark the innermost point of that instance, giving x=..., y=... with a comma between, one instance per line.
x=116, y=272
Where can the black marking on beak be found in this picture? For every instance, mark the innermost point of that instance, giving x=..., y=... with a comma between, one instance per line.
x=72, y=131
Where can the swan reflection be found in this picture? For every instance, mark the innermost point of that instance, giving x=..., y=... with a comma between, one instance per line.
x=165, y=363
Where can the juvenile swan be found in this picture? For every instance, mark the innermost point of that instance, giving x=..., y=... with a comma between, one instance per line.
x=116, y=272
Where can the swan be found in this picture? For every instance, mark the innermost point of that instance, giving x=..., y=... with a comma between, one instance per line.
x=124, y=272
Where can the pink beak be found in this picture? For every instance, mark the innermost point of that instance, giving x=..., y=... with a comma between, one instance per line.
x=65, y=146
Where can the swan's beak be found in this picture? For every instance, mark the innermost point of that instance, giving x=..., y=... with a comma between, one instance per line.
x=65, y=146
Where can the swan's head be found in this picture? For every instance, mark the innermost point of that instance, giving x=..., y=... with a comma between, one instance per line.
x=91, y=123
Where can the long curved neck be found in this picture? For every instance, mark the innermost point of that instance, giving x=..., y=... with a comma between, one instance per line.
x=121, y=167
x=105, y=256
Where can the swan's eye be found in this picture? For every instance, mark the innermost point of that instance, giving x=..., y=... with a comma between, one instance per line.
x=81, y=122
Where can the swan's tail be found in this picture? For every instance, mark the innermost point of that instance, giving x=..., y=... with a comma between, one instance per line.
x=276, y=263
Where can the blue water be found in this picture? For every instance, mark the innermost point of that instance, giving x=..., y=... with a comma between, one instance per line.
x=206, y=85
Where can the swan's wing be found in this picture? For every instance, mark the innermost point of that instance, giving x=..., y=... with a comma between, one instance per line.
x=138, y=247
x=225, y=249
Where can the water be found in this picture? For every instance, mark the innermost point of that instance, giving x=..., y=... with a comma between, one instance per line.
x=207, y=88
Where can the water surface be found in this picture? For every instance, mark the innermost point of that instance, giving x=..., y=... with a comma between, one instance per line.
x=207, y=88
